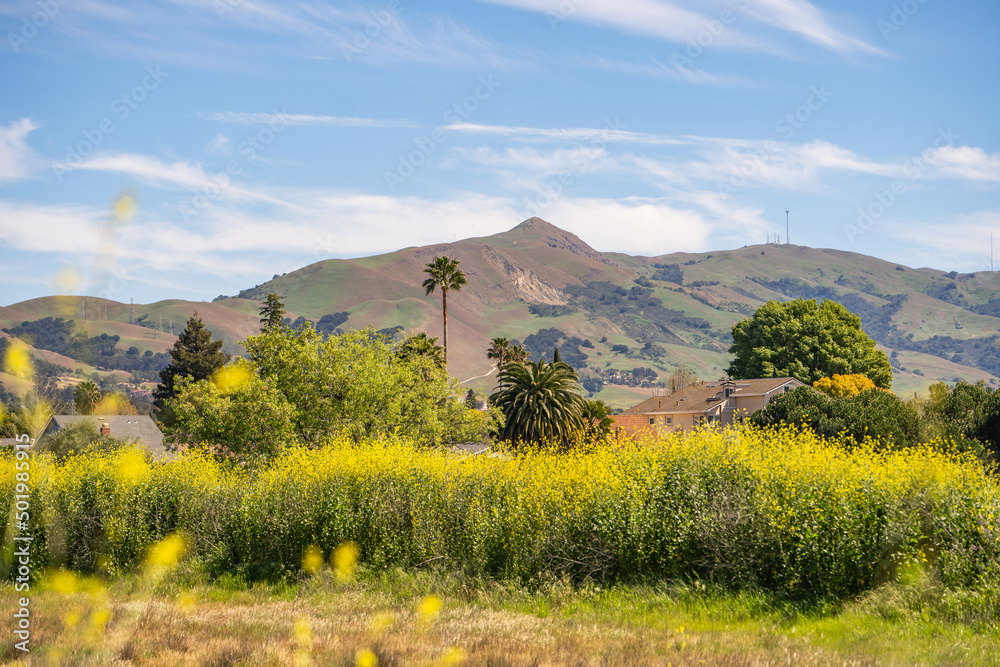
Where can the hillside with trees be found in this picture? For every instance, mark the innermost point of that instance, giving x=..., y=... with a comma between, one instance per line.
x=609, y=313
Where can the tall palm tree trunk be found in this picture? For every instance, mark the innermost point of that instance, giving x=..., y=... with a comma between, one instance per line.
x=444, y=305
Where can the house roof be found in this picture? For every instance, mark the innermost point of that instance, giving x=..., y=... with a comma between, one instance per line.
x=138, y=428
x=707, y=396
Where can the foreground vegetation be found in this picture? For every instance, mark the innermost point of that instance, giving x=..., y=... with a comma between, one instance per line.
x=397, y=617
x=782, y=511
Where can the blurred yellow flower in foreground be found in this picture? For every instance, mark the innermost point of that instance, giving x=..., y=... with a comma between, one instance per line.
x=18, y=361
x=98, y=620
x=62, y=581
x=124, y=209
x=303, y=632
x=453, y=656
x=165, y=554
x=71, y=618
x=344, y=559
x=232, y=377
x=312, y=559
x=365, y=658
x=383, y=622
x=429, y=607
x=68, y=279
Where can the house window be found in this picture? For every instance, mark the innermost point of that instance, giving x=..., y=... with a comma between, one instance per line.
x=729, y=392
x=652, y=420
x=701, y=421
x=668, y=420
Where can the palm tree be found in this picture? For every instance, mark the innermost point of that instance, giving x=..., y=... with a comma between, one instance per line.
x=499, y=350
x=86, y=396
x=597, y=421
x=541, y=402
x=517, y=355
x=444, y=273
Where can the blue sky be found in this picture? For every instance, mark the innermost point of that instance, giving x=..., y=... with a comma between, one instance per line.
x=256, y=136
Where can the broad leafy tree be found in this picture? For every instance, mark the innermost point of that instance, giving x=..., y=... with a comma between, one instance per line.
x=357, y=384
x=875, y=413
x=194, y=355
x=244, y=421
x=541, y=403
x=806, y=341
x=444, y=273
x=963, y=413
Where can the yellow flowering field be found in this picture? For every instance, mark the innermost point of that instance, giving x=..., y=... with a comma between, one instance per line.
x=780, y=510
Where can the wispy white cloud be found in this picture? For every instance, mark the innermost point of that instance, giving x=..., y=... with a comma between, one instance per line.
x=679, y=159
x=657, y=69
x=179, y=174
x=614, y=132
x=807, y=21
x=684, y=22
x=52, y=228
x=281, y=119
x=959, y=241
x=652, y=18
x=965, y=162
x=17, y=159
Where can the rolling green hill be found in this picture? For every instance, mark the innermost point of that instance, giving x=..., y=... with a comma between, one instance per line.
x=609, y=313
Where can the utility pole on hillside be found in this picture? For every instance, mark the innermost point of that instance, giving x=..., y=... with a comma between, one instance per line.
x=786, y=226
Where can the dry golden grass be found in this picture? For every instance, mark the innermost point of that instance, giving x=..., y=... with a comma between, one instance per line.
x=395, y=619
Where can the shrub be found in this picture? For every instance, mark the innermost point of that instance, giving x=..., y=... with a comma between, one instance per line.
x=782, y=510
x=874, y=414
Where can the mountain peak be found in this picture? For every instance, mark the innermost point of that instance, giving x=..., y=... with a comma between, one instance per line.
x=541, y=231
x=538, y=224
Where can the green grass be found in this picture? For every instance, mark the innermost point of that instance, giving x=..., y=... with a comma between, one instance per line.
x=622, y=397
x=318, y=619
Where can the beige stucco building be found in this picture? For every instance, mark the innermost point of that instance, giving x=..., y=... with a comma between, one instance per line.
x=702, y=404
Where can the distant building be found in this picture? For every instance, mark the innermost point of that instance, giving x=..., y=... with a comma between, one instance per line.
x=702, y=404
x=140, y=429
